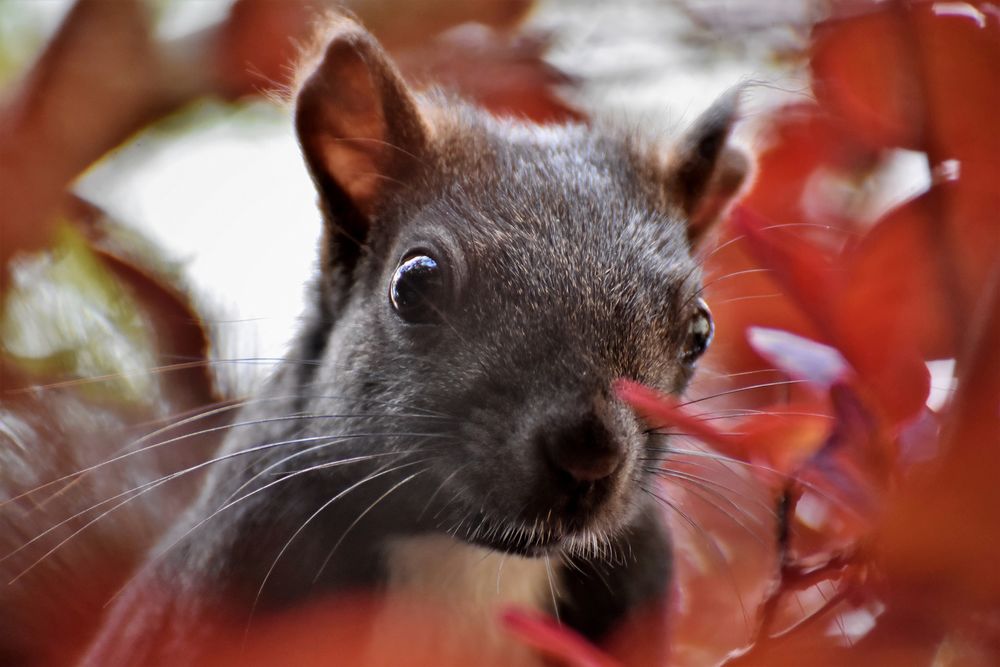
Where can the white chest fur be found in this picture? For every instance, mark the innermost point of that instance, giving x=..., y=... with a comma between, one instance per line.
x=464, y=588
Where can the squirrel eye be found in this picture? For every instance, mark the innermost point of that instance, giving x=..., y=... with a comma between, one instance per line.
x=417, y=289
x=700, y=332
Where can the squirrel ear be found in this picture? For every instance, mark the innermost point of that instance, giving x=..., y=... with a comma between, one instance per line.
x=358, y=124
x=706, y=174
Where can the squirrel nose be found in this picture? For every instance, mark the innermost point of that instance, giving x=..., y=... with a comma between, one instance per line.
x=585, y=449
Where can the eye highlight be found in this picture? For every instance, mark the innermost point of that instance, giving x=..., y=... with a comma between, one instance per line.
x=418, y=289
x=701, y=329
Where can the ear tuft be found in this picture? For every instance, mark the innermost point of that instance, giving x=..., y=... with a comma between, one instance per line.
x=707, y=173
x=358, y=123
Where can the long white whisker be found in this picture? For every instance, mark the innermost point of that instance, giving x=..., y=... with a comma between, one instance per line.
x=162, y=551
x=440, y=487
x=696, y=491
x=697, y=479
x=358, y=518
x=298, y=531
x=146, y=487
x=711, y=543
x=186, y=436
x=552, y=588
x=762, y=385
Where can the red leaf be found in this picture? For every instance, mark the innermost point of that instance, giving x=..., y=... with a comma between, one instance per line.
x=855, y=463
x=785, y=436
x=781, y=438
x=660, y=410
x=940, y=537
x=259, y=44
x=502, y=72
x=921, y=76
x=802, y=268
x=799, y=357
x=968, y=233
x=894, y=289
x=863, y=70
x=800, y=140
x=554, y=640
x=878, y=349
x=958, y=45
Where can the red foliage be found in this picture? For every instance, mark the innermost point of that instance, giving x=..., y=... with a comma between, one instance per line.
x=889, y=514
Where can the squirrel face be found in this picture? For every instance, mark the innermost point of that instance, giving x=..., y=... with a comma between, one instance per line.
x=496, y=279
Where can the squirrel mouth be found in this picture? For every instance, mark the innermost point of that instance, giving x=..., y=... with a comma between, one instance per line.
x=563, y=516
x=521, y=539
x=544, y=535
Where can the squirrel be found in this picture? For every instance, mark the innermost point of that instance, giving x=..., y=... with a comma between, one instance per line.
x=447, y=408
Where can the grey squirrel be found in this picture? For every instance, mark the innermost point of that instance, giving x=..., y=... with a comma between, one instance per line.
x=482, y=285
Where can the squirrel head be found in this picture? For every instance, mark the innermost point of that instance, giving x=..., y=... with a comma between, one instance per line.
x=502, y=276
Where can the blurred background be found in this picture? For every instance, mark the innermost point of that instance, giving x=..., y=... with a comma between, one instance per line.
x=217, y=184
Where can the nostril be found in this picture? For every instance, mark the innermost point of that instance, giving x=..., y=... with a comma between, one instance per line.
x=586, y=451
x=592, y=468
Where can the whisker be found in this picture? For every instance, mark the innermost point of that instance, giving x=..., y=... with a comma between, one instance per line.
x=762, y=385
x=358, y=518
x=746, y=412
x=503, y=559
x=720, y=374
x=783, y=476
x=185, y=363
x=693, y=488
x=136, y=492
x=713, y=467
x=748, y=297
x=711, y=543
x=163, y=551
x=183, y=417
x=142, y=489
x=678, y=474
x=304, y=524
x=552, y=588
x=207, y=431
x=733, y=274
x=440, y=487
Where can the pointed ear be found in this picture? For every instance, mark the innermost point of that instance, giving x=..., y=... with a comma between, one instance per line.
x=706, y=173
x=359, y=127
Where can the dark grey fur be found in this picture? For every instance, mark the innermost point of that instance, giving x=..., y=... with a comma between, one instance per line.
x=571, y=269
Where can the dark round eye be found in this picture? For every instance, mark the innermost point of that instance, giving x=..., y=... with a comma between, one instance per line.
x=417, y=289
x=700, y=332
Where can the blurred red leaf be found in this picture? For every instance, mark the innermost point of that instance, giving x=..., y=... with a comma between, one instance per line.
x=877, y=344
x=863, y=71
x=914, y=75
x=849, y=474
x=957, y=46
x=401, y=25
x=893, y=288
x=803, y=359
x=258, y=45
x=802, y=268
x=967, y=235
x=802, y=167
x=660, y=410
x=785, y=436
x=939, y=536
x=556, y=641
x=802, y=140
x=93, y=86
x=502, y=72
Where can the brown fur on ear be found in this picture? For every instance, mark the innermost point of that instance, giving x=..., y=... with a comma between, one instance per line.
x=706, y=174
x=358, y=123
